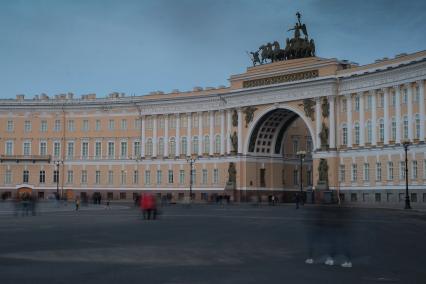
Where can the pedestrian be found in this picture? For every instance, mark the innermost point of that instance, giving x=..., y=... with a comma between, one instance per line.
x=77, y=204
x=107, y=204
x=297, y=198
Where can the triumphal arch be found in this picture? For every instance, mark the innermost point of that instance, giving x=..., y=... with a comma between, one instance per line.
x=292, y=122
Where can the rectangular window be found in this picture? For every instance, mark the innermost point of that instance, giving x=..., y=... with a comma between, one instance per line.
x=123, y=124
x=98, y=125
x=98, y=149
x=111, y=124
x=390, y=170
x=417, y=96
x=295, y=177
x=135, y=177
x=161, y=122
x=357, y=103
x=27, y=126
x=137, y=123
x=123, y=149
x=404, y=96
x=42, y=176
x=402, y=170
x=70, y=150
x=25, y=176
x=193, y=176
x=71, y=126
x=98, y=177
x=378, y=171
x=9, y=126
x=55, y=176
x=377, y=197
x=159, y=176
x=111, y=150
x=344, y=105
x=215, y=176
x=43, y=148
x=183, y=121
x=424, y=169
x=354, y=172
x=84, y=176
x=369, y=102
x=8, y=177
x=295, y=146
x=172, y=122
x=170, y=176
x=43, y=126
x=123, y=177
x=85, y=126
x=354, y=197
x=136, y=149
x=148, y=177
x=70, y=177
x=394, y=99
x=56, y=149
x=57, y=126
x=27, y=148
x=342, y=173
x=84, y=150
x=414, y=170
x=181, y=177
x=204, y=176
x=110, y=177
x=9, y=147
x=393, y=129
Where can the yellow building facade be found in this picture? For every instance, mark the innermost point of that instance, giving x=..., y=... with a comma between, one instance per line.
x=350, y=120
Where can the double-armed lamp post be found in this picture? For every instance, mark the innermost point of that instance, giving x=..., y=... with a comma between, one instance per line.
x=406, y=143
x=191, y=161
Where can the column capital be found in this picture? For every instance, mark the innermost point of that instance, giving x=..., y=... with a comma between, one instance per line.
x=396, y=87
x=331, y=98
x=408, y=85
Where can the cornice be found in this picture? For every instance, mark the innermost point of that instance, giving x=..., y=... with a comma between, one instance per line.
x=318, y=87
x=384, y=78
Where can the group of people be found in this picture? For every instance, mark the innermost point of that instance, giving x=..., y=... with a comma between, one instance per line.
x=148, y=205
x=25, y=203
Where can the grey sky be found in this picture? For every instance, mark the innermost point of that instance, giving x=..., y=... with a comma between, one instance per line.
x=100, y=46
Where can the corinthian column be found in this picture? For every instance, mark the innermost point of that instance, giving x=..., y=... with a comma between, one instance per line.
x=318, y=122
x=332, y=133
x=422, y=109
x=240, y=131
x=386, y=114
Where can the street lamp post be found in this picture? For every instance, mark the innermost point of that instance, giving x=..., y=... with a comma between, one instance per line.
x=57, y=163
x=406, y=143
x=191, y=162
x=302, y=155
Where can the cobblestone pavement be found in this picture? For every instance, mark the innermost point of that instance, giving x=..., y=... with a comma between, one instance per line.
x=214, y=244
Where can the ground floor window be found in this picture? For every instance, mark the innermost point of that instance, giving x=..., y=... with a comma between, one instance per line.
x=401, y=197
x=365, y=197
x=181, y=196
x=122, y=195
x=110, y=195
x=388, y=197
x=354, y=197
x=378, y=197
x=413, y=197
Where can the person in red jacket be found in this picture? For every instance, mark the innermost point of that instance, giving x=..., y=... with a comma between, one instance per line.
x=148, y=206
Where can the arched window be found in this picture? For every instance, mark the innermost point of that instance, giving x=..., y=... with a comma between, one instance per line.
x=344, y=135
x=183, y=146
x=405, y=127
x=195, y=145
x=381, y=130
x=206, y=144
x=149, y=147
x=357, y=133
x=417, y=134
x=161, y=146
x=172, y=146
x=369, y=131
x=217, y=144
